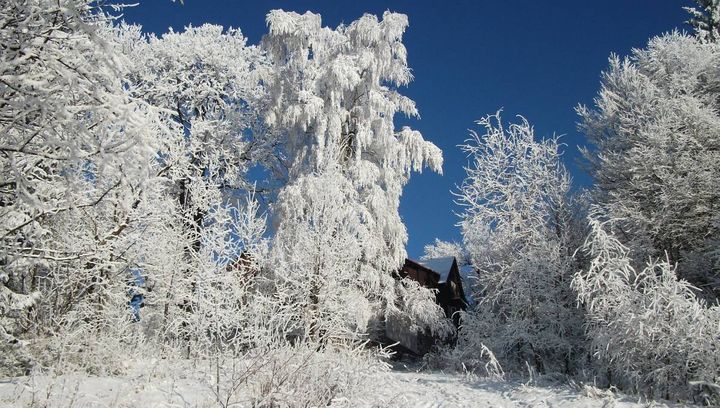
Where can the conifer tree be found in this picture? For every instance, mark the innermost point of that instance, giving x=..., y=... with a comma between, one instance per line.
x=705, y=20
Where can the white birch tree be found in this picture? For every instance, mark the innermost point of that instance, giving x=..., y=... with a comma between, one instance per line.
x=332, y=101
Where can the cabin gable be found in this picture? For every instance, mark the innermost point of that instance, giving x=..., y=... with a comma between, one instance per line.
x=441, y=275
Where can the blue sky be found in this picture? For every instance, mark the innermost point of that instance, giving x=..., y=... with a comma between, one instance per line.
x=470, y=58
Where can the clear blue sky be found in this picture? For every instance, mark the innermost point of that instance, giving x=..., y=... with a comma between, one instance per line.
x=470, y=58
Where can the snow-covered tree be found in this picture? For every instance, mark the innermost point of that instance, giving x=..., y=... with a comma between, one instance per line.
x=515, y=227
x=706, y=20
x=656, y=153
x=648, y=329
x=441, y=249
x=653, y=272
x=206, y=80
x=332, y=101
x=74, y=146
x=317, y=259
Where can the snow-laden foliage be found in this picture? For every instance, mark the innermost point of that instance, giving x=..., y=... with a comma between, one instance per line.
x=515, y=229
x=332, y=99
x=442, y=249
x=207, y=82
x=318, y=259
x=416, y=305
x=74, y=145
x=656, y=154
x=125, y=162
x=319, y=265
x=118, y=155
x=334, y=94
x=652, y=277
x=648, y=329
x=706, y=20
x=131, y=226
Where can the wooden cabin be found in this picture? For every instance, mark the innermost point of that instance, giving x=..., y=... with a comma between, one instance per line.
x=441, y=274
x=244, y=266
x=420, y=273
x=451, y=294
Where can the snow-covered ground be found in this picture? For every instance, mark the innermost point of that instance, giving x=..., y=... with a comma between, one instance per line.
x=434, y=389
x=398, y=388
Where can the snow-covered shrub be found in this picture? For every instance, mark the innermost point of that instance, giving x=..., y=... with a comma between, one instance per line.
x=517, y=230
x=469, y=355
x=303, y=376
x=15, y=358
x=649, y=330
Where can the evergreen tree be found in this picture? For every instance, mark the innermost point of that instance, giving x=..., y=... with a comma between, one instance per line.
x=706, y=20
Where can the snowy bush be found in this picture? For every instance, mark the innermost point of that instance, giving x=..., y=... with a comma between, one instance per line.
x=302, y=376
x=469, y=355
x=15, y=358
x=648, y=329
